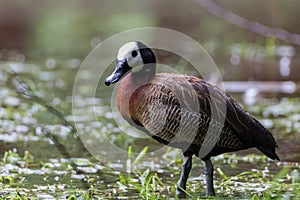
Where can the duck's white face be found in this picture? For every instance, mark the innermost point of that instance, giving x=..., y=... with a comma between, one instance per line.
x=131, y=53
x=130, y=56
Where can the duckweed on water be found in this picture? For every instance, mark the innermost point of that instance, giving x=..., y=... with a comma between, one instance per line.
x=33, y=168
x=53, y=178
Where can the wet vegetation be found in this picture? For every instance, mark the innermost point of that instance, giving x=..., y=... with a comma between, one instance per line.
x=42, y=152
x=43, y=158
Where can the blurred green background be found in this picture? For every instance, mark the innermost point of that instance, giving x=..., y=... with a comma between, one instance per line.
x=70, y=29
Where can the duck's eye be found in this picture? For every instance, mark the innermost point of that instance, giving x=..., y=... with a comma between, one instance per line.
x=134, y=53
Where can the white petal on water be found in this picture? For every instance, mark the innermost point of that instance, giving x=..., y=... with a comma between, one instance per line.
x=12, y=101
x=50, y=63
x=284, y=64
x=22, y=129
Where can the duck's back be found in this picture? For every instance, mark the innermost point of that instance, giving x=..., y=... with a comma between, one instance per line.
x=178, y=110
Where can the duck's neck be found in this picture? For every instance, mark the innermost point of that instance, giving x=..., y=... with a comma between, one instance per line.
x=149, y=68
x=145, y=74
x=130, y=84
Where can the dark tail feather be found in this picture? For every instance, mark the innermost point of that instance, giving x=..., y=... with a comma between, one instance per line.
x=269, y=152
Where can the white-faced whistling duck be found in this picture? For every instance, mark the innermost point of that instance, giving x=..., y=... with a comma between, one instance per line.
x=159, y=104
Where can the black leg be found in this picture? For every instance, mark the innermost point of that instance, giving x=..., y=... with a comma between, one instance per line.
x=208, y=171
x=186, y=168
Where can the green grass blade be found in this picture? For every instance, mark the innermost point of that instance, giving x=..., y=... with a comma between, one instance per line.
x=140, y=156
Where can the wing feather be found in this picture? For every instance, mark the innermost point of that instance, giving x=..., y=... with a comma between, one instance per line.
x=180, y=108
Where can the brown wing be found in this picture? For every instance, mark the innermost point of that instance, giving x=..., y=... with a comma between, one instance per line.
x=250, y=131
x=179, y=99
x=172, y=113
x=162, y=116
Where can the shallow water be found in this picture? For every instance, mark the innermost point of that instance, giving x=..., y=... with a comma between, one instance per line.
x=49, y=174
